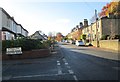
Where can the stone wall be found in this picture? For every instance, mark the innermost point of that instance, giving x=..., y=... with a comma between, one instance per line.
x=110, y=26
x=108, y=44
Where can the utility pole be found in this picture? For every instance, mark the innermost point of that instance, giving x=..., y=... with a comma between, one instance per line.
x=96, y=28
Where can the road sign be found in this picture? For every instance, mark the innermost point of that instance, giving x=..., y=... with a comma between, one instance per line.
x=16, y=50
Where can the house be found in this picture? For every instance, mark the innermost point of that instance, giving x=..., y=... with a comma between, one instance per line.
x=9, y=28
x=105, y=26
x=39, y=35
x=76, y=32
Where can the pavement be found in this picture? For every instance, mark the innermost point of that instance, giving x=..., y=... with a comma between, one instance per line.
x=113, y=55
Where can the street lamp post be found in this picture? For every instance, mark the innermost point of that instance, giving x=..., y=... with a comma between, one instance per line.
x=96, y=28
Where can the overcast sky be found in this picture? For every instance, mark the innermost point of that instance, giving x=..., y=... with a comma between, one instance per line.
x=51, y=15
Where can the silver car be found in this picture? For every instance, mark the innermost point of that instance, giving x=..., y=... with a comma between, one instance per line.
x=79, y=43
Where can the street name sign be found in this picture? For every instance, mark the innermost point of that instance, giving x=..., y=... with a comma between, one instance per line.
x=16, y=50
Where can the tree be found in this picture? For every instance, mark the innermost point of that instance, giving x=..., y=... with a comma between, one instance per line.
x=59, y=36
x=51, y=36
x=112, y=8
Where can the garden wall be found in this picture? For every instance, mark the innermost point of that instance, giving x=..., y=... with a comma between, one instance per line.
x=108, y=44
x=28, y=54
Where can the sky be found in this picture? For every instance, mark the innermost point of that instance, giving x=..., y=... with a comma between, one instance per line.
x=51, y=15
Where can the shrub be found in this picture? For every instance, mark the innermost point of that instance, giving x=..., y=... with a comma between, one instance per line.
x=117, y=37
x=25, y=44
x=104, y=37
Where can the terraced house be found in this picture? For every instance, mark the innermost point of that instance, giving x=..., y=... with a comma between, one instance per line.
x=76, y=32
x=108, y=23
x=105, y=26
x=9, y=28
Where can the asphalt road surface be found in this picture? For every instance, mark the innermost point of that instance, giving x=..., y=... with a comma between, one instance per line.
x=67, y=62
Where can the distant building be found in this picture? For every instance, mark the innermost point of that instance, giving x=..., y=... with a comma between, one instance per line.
x=76, y=32
x=9, y=28
x=38, y=35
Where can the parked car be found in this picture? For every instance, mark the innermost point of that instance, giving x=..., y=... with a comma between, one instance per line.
x=66, y=41
x=73, y=42
x=79, y=43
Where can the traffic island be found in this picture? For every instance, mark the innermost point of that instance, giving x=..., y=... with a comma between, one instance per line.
x=38, y=53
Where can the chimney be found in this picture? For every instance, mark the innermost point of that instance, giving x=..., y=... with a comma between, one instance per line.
x=81, y=24
x=85, y=22
x=12, y=17
x=77, y=26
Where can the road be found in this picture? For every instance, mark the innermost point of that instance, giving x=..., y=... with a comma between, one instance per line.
x=67, y=62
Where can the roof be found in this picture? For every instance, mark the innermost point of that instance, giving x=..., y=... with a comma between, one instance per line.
x=12, y=18
x=37, y=32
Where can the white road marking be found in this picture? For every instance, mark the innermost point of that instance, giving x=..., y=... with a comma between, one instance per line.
x=58, y=63
x=43, y=75
x=64, y=60
x=66, y=63
x=71, y=71
x=59, y=67
x=60, y=72
x=74, y=76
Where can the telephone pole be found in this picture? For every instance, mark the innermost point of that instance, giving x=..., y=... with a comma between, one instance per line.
x=96, y=28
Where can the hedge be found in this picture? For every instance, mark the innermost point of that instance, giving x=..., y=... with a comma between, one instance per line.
x=25, y=44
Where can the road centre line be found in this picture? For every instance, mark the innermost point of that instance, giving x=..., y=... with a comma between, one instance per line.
x=59, y=67
x=70, y=71
x=59, y=70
